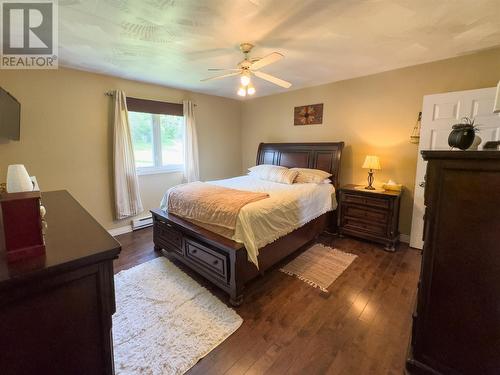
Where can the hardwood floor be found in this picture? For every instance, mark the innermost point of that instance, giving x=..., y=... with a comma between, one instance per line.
x=362, y=326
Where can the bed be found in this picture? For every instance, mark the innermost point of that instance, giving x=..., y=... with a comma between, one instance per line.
x=226, y=262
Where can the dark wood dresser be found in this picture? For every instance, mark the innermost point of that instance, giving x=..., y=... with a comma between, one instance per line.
x=456, y=323
x=369, y=214
x=55, y=310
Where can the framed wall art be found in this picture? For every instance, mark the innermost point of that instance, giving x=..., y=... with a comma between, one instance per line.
x=311, y=114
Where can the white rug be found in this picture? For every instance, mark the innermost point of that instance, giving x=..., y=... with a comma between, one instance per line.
x=165, y=321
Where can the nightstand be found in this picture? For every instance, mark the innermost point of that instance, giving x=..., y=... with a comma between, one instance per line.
x=371, y=215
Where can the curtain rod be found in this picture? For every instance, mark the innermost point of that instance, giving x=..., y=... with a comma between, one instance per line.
x=112, y=93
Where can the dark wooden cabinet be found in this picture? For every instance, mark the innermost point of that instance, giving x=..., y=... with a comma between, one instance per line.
x=371, y=215
x=456, y=323
x=55, y=309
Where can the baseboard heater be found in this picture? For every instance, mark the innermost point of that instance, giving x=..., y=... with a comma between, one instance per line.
x=143, y=222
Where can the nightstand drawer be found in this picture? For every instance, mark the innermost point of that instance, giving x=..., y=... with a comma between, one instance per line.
x=368, y=201
x=366, y=213
x=358, y=225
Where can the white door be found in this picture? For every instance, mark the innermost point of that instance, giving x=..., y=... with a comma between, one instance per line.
x=439, y=113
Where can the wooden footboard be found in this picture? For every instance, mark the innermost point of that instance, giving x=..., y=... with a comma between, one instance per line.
x=222, y=261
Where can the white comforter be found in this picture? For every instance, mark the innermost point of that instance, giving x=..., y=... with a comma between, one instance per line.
x=287, y=208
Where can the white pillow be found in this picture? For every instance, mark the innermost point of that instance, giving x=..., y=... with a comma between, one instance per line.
x=273, y=173
x=308, y=175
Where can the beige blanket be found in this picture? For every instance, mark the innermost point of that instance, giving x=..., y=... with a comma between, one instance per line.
x=213, y=207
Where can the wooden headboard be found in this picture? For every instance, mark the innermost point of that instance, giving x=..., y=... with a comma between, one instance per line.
x=324, y=156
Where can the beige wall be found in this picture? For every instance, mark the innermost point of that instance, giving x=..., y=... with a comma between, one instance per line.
x=373, y=115
x=66, y=135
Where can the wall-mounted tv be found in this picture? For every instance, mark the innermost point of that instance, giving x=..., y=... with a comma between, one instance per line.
x=10, y=116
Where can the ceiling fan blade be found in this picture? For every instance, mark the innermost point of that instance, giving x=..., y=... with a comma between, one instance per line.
x=273, y=79
x=266, y=60
x=227, y=70
x=219, y=77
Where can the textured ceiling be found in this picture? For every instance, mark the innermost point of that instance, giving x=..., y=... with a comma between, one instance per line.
x=173, y=42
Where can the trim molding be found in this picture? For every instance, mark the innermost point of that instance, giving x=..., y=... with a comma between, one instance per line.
x=404, y=238
x=120, y=230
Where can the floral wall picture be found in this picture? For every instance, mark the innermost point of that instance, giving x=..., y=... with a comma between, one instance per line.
x=311, y=114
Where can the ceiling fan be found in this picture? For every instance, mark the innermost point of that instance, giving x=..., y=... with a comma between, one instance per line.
x=250, y=66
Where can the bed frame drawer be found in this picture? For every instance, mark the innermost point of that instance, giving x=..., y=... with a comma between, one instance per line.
x=211, y=260
x=166, y=235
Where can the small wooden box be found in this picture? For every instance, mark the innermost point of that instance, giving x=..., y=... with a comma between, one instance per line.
x=21, y=233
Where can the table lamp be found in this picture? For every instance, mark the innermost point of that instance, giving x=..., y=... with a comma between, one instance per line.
x=371, y=162
x=18, y=179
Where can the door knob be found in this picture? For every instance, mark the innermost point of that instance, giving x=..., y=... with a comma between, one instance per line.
x=422, y=184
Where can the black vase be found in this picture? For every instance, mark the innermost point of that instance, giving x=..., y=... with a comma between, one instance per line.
x=461, y=138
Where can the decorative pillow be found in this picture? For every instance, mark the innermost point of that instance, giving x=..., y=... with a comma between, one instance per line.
x=308, y=175
x=273, y=173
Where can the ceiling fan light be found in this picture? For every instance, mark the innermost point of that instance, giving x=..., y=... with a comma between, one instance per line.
x=242, y=91
x=250, y=90
x=245, y=79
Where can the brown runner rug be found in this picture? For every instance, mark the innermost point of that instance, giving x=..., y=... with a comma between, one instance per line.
x=319, y=266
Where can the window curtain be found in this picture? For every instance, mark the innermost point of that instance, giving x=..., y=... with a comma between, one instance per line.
x=191, y=163
x=127, y=197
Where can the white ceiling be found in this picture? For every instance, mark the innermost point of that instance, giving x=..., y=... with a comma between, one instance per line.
x=173, y=42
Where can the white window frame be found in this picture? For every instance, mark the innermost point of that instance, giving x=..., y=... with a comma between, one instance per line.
x=157, y=151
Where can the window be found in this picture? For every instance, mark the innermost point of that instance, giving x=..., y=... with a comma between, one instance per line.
x=157, y=136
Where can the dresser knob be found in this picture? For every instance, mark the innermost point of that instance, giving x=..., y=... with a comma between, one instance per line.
x=215, y=262
x=193, y=251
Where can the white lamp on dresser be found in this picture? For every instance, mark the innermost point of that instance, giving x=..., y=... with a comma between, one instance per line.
x=18, y=179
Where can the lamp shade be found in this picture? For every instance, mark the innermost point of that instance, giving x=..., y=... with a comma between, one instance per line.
x=18, y=179
x=496, y=108
x=371, y=162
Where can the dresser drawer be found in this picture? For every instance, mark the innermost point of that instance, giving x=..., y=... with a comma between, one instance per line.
x=380, y=216
x=358, y=225
x=211, y=260
x=366, y=201
x=166, y=235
